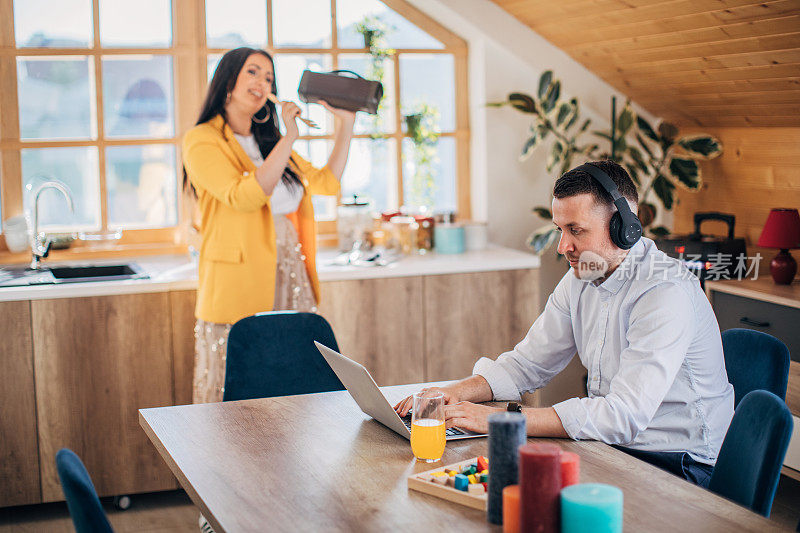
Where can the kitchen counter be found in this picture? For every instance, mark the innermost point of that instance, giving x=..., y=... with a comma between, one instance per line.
x=178, y=272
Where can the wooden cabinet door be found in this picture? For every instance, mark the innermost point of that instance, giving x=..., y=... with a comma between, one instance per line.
x=19, y=456
x=183, y=321
x=97, y=361
x=474, y=315
x=378, y=322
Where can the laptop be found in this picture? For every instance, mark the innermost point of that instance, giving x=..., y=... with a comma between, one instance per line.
x=370, y=399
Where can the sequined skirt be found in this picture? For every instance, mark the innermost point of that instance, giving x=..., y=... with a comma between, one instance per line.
x=292, y=292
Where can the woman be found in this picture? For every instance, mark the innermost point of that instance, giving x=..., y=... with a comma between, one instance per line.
x=254, y=200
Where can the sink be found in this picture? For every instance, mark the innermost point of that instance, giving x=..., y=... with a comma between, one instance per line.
x=78, y=274
x=20, y=276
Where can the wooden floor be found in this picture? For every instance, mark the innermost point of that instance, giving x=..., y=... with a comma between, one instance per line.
x=173, y=511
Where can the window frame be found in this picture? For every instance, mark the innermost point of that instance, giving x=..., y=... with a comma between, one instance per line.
x=189, y=52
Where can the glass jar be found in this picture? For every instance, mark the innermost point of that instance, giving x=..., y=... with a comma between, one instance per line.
x=406, y=229
x=354, y=220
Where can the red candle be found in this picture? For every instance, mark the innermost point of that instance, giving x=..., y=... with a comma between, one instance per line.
x=511, y=509
x=540, y=485
x=570, y=469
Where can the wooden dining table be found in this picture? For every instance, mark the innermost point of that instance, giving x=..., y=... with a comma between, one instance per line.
x=315, y=462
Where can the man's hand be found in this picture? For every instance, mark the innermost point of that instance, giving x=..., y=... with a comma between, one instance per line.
x=470, y=416
x=450, y=396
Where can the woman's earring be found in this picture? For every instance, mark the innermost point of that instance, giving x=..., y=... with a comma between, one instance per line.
x=267, y=114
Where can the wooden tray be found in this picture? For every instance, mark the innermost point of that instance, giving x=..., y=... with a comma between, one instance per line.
x=419, y=482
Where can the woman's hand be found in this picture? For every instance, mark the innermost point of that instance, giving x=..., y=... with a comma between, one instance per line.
x=289, y=114
x=450, y=396
x=348, y=118
x=470, y=416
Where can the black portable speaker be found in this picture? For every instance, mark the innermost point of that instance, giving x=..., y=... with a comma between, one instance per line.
x=345, y=92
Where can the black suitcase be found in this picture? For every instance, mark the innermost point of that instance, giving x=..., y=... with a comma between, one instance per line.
x=345, y=92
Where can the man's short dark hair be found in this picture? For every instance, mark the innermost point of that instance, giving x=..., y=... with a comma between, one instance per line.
x=575, y=182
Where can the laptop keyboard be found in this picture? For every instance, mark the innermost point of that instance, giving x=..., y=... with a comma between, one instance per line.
x=451, y=432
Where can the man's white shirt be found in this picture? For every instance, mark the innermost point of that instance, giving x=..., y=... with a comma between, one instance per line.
x=651, y=343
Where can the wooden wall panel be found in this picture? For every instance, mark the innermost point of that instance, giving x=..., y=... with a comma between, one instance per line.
x=91, y=381
x=379, y=323
x=759, y=170
x=19, y=453
x=475, y=315
x=659, y=52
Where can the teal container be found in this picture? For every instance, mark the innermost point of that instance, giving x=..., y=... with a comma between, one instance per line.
x=448, y=238
x=594, y=507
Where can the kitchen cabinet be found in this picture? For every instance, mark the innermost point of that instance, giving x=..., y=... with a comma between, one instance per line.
x=97, y=362
x=379, y=323
x=183, y=320
x=762, y=305
x=19, y=457
x=474, y=315
x=82, y=367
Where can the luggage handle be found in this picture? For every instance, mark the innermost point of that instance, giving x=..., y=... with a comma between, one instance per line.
x=730, y=220
x=339, y=71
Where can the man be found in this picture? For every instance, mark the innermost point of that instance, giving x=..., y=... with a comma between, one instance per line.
x=641, y=326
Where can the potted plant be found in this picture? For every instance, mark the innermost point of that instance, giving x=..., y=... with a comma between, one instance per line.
x=658, y=159
x=422, y=128
x=555, y=123
x=374, y=30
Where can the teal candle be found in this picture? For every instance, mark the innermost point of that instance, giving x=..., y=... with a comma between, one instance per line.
x=595, y=507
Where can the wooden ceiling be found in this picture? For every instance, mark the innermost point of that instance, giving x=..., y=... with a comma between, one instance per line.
x=693, y=62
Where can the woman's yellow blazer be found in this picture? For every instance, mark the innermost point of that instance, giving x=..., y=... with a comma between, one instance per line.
x=237, y=255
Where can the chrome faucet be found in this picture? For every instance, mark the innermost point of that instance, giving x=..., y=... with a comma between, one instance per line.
x=40, y=242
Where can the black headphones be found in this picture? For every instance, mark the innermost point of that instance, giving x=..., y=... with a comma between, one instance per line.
x=625, y=227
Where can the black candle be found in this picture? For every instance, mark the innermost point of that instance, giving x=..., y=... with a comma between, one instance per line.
x=506, y=435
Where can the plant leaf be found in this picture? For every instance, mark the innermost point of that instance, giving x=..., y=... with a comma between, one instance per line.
x=644, y=145
x=543, y=212
x=659, y=231
x=634, y=174
x=668, y=132
x=636, y=155
x=664, y=190
x=603, y=134
x=643, y=126
x=555, y=155
x=686, y=171
x=541, y=239
x=573, y=117
x=625, y=120
x=553, y=94
x=585, y=125
x=563, y=112
x=701, y=146
x=522, y=102
x=544, y=83
x=529, y=147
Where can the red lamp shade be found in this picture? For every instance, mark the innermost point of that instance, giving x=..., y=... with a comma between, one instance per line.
x=782, y=230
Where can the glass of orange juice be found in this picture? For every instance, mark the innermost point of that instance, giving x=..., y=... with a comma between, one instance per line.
x=427, y=426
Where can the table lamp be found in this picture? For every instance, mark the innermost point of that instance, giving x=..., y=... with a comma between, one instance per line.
x=782, y=231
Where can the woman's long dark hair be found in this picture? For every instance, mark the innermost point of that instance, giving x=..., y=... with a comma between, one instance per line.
x=267, y=134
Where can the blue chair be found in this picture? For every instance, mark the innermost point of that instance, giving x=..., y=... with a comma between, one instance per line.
x=755, y=361
x=751, y=456
x=273, y=354
x=84, y=506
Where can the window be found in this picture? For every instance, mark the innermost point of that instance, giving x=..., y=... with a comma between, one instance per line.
x=97, y=95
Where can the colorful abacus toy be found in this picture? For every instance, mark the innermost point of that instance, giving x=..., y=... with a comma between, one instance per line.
x=465, y=483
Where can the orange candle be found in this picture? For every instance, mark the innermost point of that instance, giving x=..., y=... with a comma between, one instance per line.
x=570, y=469
x=511, y=509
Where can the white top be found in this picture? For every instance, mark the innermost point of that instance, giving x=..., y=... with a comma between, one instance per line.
x=652, y=346
x=284, y=199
